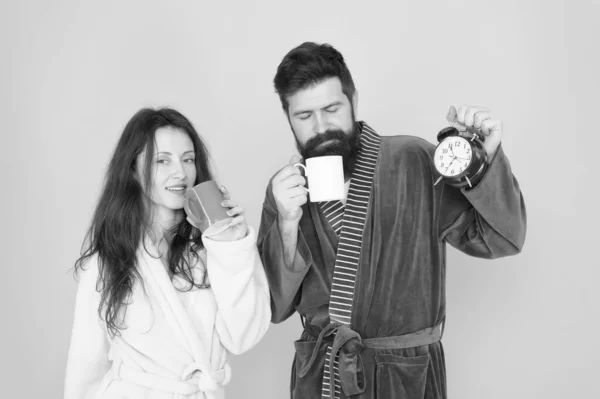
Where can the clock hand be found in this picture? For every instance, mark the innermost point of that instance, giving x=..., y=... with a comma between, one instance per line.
x=450, y=164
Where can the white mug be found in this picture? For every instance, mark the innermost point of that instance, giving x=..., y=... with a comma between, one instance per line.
x=325, y=176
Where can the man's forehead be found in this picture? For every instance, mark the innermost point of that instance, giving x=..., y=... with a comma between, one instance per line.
x=317, y=95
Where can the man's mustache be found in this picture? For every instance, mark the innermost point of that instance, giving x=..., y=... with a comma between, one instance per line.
x=329, y=137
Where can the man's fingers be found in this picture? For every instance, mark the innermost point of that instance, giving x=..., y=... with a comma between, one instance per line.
x=470, y=116
x=285, y=195
x=296, y=192
x=465, y=114
x=479, y=117
x=293, y=181
x=295, y=159
x=285, y=172
x=299, y=200
x=451, y=116
x=490, y=126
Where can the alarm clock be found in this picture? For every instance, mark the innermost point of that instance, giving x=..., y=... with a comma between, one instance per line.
x=459, y=158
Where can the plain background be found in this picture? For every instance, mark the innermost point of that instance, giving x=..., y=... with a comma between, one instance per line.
x=73, y=73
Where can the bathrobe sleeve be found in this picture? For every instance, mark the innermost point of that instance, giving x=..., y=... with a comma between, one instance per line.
x=241, y=290
x=490, y=220
x=285, y=281
x=87, y=361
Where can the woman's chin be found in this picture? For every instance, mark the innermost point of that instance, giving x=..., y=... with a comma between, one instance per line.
x=176, y=205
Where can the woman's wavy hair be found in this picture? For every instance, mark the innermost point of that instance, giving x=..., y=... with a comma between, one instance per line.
x=121, y=219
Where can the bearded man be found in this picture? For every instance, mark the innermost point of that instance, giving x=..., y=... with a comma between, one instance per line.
x=367, y=274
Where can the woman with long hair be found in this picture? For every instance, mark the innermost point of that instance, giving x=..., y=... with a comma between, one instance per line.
x=159, y=305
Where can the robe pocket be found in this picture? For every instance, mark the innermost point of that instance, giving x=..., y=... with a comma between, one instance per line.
x=310, y=385
x=401, y=377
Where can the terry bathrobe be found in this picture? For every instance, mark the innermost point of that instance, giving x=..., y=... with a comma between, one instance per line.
x=176, y=342
x=372, y=299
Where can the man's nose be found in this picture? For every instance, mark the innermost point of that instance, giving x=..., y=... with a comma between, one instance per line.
x=321, y=123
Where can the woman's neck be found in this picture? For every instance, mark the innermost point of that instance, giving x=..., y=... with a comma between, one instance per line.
x=160, y=229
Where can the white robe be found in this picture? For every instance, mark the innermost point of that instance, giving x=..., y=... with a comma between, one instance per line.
x=176, y=343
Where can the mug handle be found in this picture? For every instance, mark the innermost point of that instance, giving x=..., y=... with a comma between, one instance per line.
x=305, y=172
x=305, y=169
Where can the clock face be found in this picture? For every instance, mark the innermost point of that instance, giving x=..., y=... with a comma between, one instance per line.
x=453, y=156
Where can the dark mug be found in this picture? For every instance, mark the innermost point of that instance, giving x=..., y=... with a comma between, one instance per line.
x=203, y=207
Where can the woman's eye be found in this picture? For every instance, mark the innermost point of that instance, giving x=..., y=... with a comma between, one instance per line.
x=332, y=110
x=161, y=161
x=189, y=160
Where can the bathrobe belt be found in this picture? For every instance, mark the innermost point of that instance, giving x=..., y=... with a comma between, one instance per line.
x=193, y=379
x=350, y=363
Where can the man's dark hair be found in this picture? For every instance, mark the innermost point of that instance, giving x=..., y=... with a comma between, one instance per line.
x=308, y=64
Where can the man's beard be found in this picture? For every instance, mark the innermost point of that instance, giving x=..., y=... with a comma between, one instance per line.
x=337, y=142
